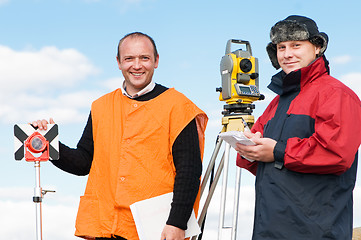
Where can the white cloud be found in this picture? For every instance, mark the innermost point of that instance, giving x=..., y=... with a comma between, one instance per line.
x=341, y=59
x=113, y=83
x=18, y=221
x=353, y=81
x=41, y=70
x=45, y=83
x=18, y=215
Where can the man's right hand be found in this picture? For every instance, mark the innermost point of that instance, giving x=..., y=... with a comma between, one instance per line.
x=42, y=124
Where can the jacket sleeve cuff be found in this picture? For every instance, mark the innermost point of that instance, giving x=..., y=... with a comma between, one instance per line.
x=179, y=217
x=279, y=154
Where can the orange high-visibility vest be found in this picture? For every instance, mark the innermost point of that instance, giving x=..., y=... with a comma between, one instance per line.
x=132, y=158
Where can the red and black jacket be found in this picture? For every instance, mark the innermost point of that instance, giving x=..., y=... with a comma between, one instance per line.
x=307, y=192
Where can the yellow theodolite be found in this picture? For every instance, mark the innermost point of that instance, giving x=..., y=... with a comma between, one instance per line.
x=239, y=71
x=240, y=84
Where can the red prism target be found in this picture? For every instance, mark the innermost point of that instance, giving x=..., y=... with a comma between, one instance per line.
x=36, y=144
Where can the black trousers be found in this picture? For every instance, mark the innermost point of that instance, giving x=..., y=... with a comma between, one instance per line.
x=115, y=237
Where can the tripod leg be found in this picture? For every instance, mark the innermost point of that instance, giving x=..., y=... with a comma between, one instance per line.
x=214, y=183
x=210, y=165
x=211, y=191
x=236, y=204
x=222, y=230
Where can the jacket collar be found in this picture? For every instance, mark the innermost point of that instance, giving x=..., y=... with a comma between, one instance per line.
x=283, y=83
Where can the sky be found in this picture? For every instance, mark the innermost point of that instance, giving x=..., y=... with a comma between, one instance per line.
x=58, y=56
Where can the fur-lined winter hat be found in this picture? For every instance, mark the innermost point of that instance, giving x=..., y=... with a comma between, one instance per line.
x=295, y=28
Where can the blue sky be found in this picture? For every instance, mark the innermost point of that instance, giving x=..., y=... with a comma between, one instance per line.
x=57, y=56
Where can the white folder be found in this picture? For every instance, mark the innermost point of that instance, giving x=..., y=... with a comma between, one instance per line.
x=150, y=217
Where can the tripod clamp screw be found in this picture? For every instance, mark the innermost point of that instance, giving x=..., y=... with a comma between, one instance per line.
x=38, y=199
x=46, y=191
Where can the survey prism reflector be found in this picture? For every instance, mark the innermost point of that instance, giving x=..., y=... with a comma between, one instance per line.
x=34, y=144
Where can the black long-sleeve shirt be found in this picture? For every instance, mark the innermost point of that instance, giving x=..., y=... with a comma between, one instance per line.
x=186, y=157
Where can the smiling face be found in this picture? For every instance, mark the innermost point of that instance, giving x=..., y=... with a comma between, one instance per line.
x=137, y=62
x=293, y=55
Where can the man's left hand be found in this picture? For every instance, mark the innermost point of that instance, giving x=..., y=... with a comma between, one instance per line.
x=172, y=233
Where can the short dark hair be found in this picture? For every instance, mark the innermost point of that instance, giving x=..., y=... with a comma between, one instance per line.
x=135, y=35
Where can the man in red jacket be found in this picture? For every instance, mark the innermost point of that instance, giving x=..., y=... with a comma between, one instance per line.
x=307, y=142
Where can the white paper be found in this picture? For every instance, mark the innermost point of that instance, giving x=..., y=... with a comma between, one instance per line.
x=150, y=217
x=234, y=137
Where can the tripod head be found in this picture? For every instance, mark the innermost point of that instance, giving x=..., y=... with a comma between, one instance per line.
x=245, y=109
